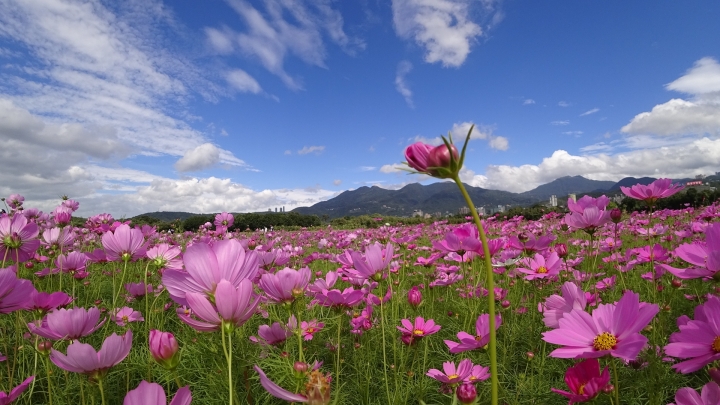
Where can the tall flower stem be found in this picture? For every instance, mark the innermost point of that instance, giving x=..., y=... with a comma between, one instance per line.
x=122, y=280
x=146, y=296
x=102, y=390
x=617, y=382
x=228, y=357
x=382, y=325
x=492, y=349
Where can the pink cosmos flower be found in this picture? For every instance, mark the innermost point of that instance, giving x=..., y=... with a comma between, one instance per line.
x=124, y=244
x=43, y=302
x=347, y=298
x=58, y=238
x=469, y=342
x=70, y=324
x=73, y=262
x=15, y=201
x=153, y=394
x=705, y=259
x=612, y=329
x=710, y=395
x=207, y=265
x=532, y=244
x=15, y=392
x=233, y=306
x=272, y=335
x=123, y=316
x=82, y=358
x=462, y=239
x=698, y=339
x=589, y=220
x=419, y=329
x=286, y=285
x=452, y=375
x=14, y=292
x=224, y=220
x=540, y=266
x=165, y=256
x=164, y=349
x=585, y=381
x=659, y=188
x=417, y=156
x=309, y=329
x=585, y=201
x=373, y=263
x=18, y=239
x=478, y=373
x=557, y=306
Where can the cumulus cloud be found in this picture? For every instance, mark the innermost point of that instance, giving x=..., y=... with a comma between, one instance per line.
x=105, y=67
x=699, y=115
x=442, y=27
x=499, y=143
x=588, y=112
x=283, y=28
x=393, y=168
x=401, y=85
x=242, y=81
x=199, y=158
x=311, y=149
x=699, y=156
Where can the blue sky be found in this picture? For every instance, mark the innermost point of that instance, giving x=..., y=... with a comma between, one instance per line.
x=209, y=106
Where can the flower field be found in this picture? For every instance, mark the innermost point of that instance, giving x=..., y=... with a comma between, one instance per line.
x=596, y=305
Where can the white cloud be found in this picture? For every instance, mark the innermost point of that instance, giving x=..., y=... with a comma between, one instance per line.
x=528, y=101
x=393, y=168
x=564, y=122
x=367, y=168
x=199, y=158
x=442, y=27
x=564, y=104
x=698, y=156
x=401, y=85
x=288, y=152
x=242, y=81
x=573, y=133
x=103, y=67
x=311, y=149
x=271, y=36
x=499, y=143
x=337, y=182
x=588, y=112
x=700, y=115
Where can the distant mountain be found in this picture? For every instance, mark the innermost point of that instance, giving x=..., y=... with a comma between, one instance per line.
x=631, y=181
x=567, y=185
x=437, y=197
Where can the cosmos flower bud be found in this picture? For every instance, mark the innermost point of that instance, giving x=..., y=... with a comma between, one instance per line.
x=561, y=250
x=616, y=215
x=164, y=349
x=441, y=157
x=414, y=297
x=466, y=393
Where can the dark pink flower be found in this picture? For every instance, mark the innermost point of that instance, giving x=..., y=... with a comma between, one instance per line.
x=14, y=292
x=18, y=239
x=15, y=392
x=452, y=375
x=539, y=267
x=585, y=381
x=698, y=339
x=705, y=259
x=44, y=302
x=481, y=339
x=274, y=334
x=123, y=316
x=164, y=349
x=557, y=306
x=309, y=329
x=710, y=395
x=417, y=156
x=419, y=329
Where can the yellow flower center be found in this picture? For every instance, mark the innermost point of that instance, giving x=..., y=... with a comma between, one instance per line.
x=604, y=341
x=418, y=332
x=716, y=344
x=453, y=377
x=542, y=269
x=581, y=389
x=125, y=318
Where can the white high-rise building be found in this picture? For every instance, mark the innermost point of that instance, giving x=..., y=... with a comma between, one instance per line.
x=553, y=201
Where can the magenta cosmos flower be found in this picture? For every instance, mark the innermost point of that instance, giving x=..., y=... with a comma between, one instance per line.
x=698, y=339
x=462, y=239
x=123, y=316
x=82, y=358
x=659, y=188
x=224, y=220
x=705, y=259
x=373, y=263
x=469, y=342
x=710, y=395
x=15, y=392
x=153, y=394
x=14, y=292
x=207, y=265
x=419, y=329
x=233, y=306
x=71, y=324
x=589, y=220
x=286, y=285
x=585, y=381
x=347, y=298
x=18, y=239
x=417, y=156
x=556, y=306
x=271, y=335
x=164, y=349
x=165, y=256
x=540, y=266
x=43, y=302
x=587, y=201
x=612, y=329
x=124, y=244
x=452, y=375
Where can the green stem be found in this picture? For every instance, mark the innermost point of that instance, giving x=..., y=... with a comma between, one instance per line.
x=228, y=358
x=122, y=280
x=102, y=390
x=617, y=381
x=492, y=349
x=382, y=324
x=147, y=313
x=49, y=380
